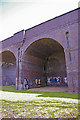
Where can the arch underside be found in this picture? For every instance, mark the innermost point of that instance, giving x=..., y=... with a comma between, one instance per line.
x=8, y=66
x=42, y=59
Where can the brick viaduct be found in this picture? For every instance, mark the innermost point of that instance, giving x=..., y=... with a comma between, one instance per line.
x=53, y=44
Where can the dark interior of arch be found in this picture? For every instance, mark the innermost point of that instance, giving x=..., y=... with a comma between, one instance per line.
x=8, y=66
x=42, y=59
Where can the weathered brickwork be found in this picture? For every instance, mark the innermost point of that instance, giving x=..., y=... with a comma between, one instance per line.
x=46, y=44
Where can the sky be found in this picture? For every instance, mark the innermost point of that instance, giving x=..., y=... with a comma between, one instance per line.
x=16, y=15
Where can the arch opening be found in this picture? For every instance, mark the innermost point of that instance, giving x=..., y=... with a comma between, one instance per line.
x=8, y=65
x=43, y=59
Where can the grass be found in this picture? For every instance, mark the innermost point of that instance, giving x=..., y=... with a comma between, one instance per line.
x=40, y=108
x=43, y=93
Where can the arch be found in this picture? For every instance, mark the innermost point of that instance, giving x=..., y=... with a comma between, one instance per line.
x=42, y=59
x=8, y=66
x=9, y=50
x=25, y=47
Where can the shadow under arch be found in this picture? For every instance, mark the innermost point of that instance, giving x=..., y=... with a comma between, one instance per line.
x=8, y=67
x=42, y=59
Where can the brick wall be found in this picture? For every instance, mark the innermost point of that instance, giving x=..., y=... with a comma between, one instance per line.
x=54, y=29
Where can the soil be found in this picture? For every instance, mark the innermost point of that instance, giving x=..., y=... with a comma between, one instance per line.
x=51, y=89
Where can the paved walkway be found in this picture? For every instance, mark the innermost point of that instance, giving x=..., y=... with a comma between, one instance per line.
x=29, y=97
x=51, y=89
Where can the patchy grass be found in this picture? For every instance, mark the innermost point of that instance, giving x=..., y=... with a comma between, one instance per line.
x=39, y=109
x=43, y=94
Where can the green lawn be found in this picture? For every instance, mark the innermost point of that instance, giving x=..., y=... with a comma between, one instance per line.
x=43, y=94
x=40, y=108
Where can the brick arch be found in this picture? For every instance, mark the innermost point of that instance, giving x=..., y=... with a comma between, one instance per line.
x=56, y=29
x=26, y=45
x=9, y=50
x=37, y=52
x=8, y=68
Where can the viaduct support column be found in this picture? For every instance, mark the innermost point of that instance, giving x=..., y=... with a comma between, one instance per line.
x=18, y=70
x=72, y=71
x=72, y=67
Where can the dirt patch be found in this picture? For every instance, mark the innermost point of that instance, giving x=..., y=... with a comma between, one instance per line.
x=51, y=89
